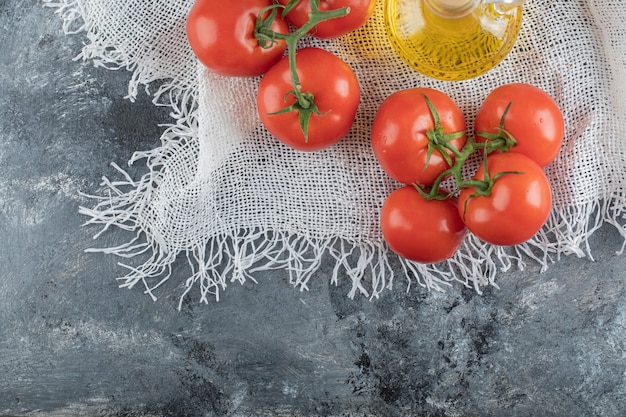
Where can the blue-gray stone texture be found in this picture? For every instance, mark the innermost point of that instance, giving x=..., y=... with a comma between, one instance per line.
x=72, y=343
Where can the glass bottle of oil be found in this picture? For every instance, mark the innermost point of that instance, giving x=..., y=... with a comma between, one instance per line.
x=453, y=39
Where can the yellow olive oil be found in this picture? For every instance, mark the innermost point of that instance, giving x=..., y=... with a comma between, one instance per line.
x=452, y=42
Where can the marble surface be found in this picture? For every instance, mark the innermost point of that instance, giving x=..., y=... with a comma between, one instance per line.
x=73, y=343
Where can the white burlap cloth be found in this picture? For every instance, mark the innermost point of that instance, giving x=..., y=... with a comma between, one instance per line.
x=220, y=190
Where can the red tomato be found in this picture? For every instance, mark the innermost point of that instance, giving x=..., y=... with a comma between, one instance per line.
x=517, y=206
x=533, y=119
x=221, y=34
x=425, y=231
x=360, y=12
x=336, y=92
x=400, y=134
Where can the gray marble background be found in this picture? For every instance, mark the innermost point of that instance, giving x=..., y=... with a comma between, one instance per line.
x=72, y=343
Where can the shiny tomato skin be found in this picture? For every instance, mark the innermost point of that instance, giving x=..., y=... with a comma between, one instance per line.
x=424, y=231
x=399, y=136
x=336, y=92
x=360, y=12
x=534, y=120
x=221, y=35
x=519, y=204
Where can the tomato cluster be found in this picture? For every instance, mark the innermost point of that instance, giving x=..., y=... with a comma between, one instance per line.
x=419, y=138
x=307, y=98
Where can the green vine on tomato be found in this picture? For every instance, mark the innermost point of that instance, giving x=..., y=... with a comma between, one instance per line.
x=502, y=141
x=305, y=103
x=437, y=139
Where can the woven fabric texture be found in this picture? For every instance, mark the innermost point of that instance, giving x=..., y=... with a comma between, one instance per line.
x=223, y=192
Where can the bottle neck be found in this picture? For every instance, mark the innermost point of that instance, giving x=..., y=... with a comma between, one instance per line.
x=452, y=8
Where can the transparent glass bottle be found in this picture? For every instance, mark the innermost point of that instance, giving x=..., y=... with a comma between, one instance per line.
x=453, y=39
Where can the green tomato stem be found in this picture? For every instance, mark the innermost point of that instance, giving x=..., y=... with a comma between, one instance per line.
x=266, y=36
x=502, y=141
x=315, y=17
